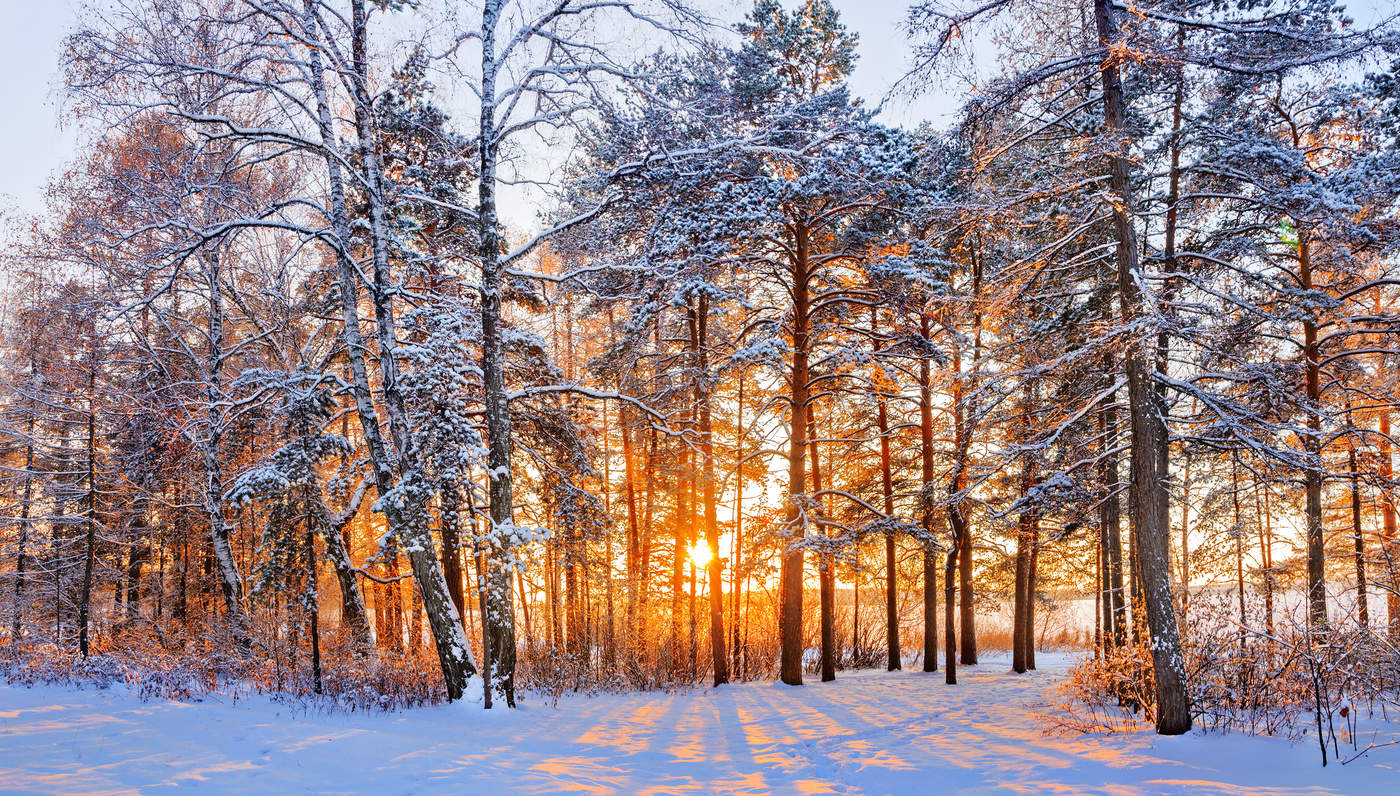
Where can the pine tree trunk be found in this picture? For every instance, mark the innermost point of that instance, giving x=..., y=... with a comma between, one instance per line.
x=930, y=552
x=950, y=639
x=1266, y=556
x=1390, y=545
x=1032, y=574
x=826, y=563
x=573, y=602
x=450, y=527
x=634, y=539
x=1312, y=446
x=892, y=650
x=90, y=515
x=1239, y=543
x=1110, y=522
x=1020, y=626
x=1363, y=615
x=1149, y=498
x=26, y=500
x=736, y=557
x=679, y=535
x=790, y=575
x=720, y=661
x=1018, y=612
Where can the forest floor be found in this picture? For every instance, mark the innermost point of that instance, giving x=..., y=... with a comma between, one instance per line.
x=867, y=732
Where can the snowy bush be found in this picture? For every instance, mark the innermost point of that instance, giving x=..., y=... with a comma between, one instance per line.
x=1294, y=683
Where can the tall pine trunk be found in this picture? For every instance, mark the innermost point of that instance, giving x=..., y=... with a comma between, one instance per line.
x=1390, y=548
x=826, y=562
x=887, y=488
x=1149, y=496
x=1110, y=520
x=1312, y=446
x=930, y=550
x=799, y=504
x=719, y=660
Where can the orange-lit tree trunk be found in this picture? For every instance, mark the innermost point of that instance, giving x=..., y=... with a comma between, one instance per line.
x=826, y=573
x=1266, y=554
x=1312, y=446
x=634, y=538
x=1110, y=520
x=1022, y=628
x=680, y=534
x=1363, y=615
x=799, y=505
x=930, y=550
x=736, y=560
x=700, y=341
x=957, y=520
x=1389, y=547
x=887, y=488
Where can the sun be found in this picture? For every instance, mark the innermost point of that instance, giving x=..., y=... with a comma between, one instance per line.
x=700, y=554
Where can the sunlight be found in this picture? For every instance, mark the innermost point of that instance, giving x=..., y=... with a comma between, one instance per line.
x=700, y=554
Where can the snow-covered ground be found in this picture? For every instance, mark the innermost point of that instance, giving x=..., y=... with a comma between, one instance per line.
x=871, y=732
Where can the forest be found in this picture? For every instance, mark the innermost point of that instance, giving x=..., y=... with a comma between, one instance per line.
x=396, y=352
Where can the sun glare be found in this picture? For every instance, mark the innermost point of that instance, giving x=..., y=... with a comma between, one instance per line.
x=700, y=554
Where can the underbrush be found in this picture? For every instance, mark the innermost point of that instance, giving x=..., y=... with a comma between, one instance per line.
x=203, y=664
x=1341, y=688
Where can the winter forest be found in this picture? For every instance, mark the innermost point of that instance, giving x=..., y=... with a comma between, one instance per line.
x=541, y=356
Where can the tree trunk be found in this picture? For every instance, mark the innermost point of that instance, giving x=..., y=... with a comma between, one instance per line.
x=1149, y=497
x=1019, y=625
x=1363, y=615
x=679, y=535
x=1185, y=534
x=1390, y=549
x=1110, y=524
x=1023, y=561
x=930, y=551
x=353, y=613
x=407, y=517
x=950, y=639
x=736, y=560
x=500, y=611
x=958, y=519
x=1032, y=574
x=450, y=525
x=26, y=499
x=634, y=539
x=720, y=661
x=887, y=487
x=313, y=608
x=790, y=575
x=1266, y=557
x=1312, y=445
x=826, y=573
x=90, y=516
x=229, y=580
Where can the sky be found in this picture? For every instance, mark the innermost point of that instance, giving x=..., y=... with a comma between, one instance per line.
x=30, y=136
x=37, y=144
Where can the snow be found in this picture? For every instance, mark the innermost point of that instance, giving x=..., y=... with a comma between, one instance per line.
x=874, y=732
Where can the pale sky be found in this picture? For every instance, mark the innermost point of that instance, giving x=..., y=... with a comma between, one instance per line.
x=35, y=145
